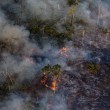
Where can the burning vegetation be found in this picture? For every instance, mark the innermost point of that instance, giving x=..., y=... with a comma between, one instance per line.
x=54, y=55
x=51, y=76
x=64, y=52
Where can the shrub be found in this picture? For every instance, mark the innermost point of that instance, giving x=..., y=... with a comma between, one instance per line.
x=93, y=68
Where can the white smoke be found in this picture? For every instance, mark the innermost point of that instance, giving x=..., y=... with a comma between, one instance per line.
x=47, y=9
x=52, y=101
x=15, y=102
x=94, y=12
x=20, y=102
x=16, y=54
x=54, y=55
x=15, y=38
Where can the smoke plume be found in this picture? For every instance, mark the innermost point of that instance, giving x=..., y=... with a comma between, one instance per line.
x=22, y=58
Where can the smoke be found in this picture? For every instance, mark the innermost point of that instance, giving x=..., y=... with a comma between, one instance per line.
x=94, y=12
x=22, y=57
x=15, y=40
x=16, y=59
x=62, y=55
x=49, y=9
x=15, y=102
x=91, y=11
x=13, y=66
x=23, y=102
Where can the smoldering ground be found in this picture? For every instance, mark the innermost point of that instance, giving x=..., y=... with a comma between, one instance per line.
x=17, y=50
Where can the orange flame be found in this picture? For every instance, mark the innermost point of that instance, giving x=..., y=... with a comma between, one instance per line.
x=63, y=51
x=54, y=85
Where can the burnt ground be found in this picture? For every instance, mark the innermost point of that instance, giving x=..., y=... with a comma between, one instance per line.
x=85, y=90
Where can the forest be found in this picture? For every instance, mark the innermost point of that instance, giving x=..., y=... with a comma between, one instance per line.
x=54, y=54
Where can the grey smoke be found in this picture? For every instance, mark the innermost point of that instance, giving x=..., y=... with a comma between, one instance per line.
x=17, y=36
x=23, y=102
x=94, y=12
x=15, y=102
x=47, y=9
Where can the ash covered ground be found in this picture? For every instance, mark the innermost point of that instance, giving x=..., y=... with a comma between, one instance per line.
x=71, y=34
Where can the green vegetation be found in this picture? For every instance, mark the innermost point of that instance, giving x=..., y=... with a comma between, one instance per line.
x=10, y=46
x=48, y=28
x=8, y=85
x=71, y=2
x=55, y=70
x=93, y=68
x=105, y=30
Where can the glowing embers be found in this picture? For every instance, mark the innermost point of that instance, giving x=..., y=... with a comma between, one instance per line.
x=49, y=82
x=54, y=85
x=51, y=76
x=64, y=51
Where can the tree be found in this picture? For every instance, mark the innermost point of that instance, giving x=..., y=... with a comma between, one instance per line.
x=55, y=70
